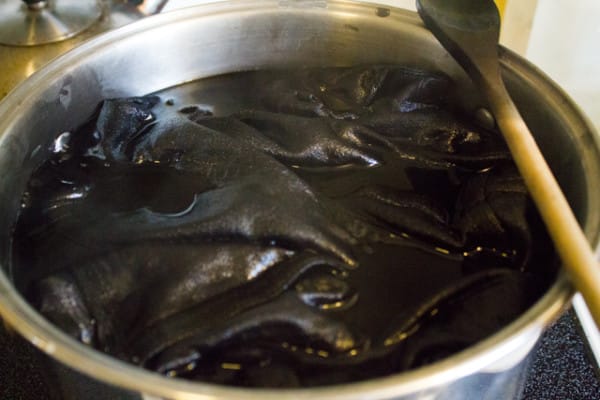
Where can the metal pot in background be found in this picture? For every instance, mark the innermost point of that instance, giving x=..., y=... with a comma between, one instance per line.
x=179, y=47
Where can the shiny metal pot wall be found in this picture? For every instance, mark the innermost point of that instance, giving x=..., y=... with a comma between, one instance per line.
x=178, y=47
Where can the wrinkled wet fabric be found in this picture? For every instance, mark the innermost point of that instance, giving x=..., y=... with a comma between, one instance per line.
x=282, y=229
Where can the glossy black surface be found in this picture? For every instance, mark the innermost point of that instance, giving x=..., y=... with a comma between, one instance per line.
x=293, y=228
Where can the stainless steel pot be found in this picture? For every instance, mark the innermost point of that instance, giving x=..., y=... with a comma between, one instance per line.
x=178, y=47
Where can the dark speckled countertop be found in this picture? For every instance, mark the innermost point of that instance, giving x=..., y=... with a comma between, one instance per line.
x=562, y=369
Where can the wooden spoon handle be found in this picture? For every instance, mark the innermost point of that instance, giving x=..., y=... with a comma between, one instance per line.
x=577, y=256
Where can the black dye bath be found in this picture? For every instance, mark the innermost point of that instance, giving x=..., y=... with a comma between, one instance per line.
x=282, y=228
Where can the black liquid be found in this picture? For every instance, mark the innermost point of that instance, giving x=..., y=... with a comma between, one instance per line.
x=291, y=228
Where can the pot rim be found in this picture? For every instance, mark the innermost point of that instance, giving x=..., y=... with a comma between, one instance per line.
x=48, y=338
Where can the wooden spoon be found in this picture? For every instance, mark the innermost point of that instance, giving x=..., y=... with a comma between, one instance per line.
x=469, y=30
